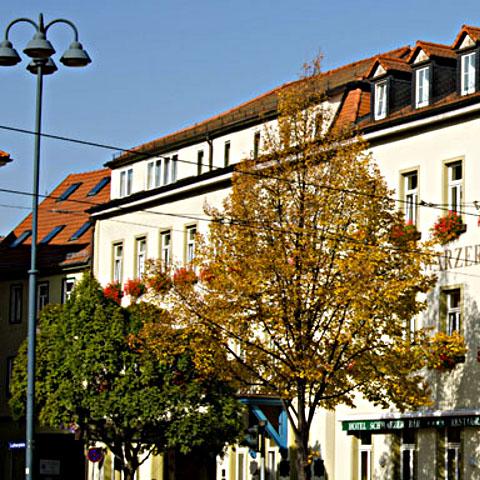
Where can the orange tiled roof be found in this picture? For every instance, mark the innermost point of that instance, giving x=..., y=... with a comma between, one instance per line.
x=432, y=50
x=71, y=212
x=472, y=32
x=390, y=63
x=258, y=106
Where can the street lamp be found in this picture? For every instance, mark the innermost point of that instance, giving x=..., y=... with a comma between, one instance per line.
x=40, y=50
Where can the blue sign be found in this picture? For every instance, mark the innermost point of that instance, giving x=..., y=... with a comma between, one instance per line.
x=16, y=445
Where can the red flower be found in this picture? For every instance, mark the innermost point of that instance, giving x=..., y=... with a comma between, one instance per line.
x=160, y=282
x=135, y=288
x=448, y=228
x=206, y=275
x=184, y=276
x=113, y=291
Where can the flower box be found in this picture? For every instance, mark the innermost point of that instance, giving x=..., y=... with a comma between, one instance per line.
x=448, y=228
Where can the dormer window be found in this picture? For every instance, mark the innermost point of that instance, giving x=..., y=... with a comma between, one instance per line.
x=422, y=89
x=126, y=178
x=468, y=73
x=380, y=100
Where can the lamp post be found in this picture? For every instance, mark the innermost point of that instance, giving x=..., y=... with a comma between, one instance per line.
x=40, y=50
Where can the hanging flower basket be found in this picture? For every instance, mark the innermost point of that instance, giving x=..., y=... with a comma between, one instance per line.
x=446, y=351
x=404, y=233
x=448, y=227
x=113, y=291
x=134, y=288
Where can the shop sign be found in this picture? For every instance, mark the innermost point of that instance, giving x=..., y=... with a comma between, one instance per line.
x=410, y=423
x=16, y=445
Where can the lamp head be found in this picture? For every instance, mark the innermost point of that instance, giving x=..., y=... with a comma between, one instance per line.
x=39, y=46
x=8, y=55
x=75, y=56
x=47, y=66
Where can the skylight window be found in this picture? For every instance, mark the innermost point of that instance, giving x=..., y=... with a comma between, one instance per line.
x=68, y=191
x=104, y=181
x=53, y=233
x=19, y=240
x=81, y=231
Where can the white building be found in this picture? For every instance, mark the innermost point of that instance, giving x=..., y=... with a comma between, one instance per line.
x=419, y=109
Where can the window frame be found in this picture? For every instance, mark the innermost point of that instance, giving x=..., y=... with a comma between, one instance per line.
x=410, y=208
x=126, y=182
x=456, y=447
x=46, y=298
x=450, y=184
x=411, y=447
x=154, y=169
x=140, y=256
x=226, y=153
x=200, y=160
x=120, y=258
x=66, y=293
x=190, y=242
x=422, y=86
x=380, y=98
x=166, y=248
x=256, y=144
x=471, y=73
x=15, y=315
x=446, y=309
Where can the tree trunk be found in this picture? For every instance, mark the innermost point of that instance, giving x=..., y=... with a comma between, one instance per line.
x=302, y=437
x=128, y=473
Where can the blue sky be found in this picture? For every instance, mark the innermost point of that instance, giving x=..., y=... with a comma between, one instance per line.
x=161, y=65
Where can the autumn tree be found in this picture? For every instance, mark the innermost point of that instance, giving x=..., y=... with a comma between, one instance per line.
x=305, y=278
x=93, y=378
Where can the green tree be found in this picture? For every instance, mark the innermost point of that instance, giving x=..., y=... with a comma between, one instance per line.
x=92, y=377
x=305, y=280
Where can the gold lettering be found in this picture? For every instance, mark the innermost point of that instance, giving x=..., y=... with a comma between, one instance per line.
x=457, y=260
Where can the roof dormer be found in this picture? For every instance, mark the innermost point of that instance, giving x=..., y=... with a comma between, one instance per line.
x=467, y=46
x=390, y=82
x=434, y=72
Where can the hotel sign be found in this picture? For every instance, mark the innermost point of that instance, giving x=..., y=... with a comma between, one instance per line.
x=382, y=426
x=463, y=256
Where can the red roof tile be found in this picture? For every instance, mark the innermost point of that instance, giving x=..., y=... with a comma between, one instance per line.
x=256, y=107
x=390, y=63
x=432, y=50
x=472, y=32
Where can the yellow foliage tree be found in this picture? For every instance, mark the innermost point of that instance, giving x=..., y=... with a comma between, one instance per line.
x=301, y=280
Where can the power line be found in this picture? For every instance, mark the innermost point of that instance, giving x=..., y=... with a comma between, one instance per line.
x=143, y=155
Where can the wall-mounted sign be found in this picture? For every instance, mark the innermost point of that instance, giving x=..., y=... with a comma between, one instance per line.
x=95, y=454
x=49, y=467
x=16, y=445
x=386, y=426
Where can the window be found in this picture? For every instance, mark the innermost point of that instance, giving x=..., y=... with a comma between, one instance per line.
x=422, y=87
x=174, y=167
x=98, y=187
x=408, y=455
x=271, y=473
x=67, y=288
x=380, y=100
x=16, y=300
x=241, y=464
x=52, y=234
x=468, y=73
x=126, y=178
x=140, y=256
x=454, y=185
x=81, y=231
x=410, y=189
x=190, y=250
x=226, y=154
x=453, y=315
x=70, y=189
x=19, y=240
x=154, y=170
x=452, y=454
x=118, y=262
x=256, y=145
x=166, y=170
x=200, y=156
x=365, y=457
x=9, y=375
x=166, y=248
x=42, y=296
